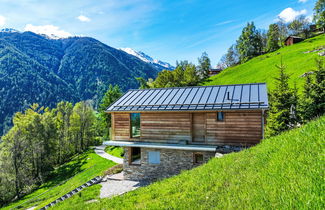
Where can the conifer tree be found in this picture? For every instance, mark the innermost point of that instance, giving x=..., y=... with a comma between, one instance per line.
x=273, y=38
x=283, y=102
x=204, y=66
x=313, y=102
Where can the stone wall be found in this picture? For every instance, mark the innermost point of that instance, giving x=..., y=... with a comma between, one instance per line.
x=172, y=162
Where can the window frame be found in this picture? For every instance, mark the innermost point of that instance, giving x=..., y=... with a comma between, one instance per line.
x=131, y=162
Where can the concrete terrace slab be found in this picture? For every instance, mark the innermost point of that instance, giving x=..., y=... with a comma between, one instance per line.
x=116, y=185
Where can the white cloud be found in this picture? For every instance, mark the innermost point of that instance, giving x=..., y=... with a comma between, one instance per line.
x=289, y=14
x=83, y=18
x=2, y=20
x=224, y=22
x=49, y=30
x=302, y=1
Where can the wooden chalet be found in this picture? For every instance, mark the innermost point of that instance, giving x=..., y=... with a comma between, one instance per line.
x=164, y=131
x=213, y=72
x=290, y=40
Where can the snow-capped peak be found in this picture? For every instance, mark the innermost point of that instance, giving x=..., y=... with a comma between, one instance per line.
x=9, y=30
x=146, y=58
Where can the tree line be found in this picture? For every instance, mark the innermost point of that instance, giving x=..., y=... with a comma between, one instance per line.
x=253, y=42
x=185, y=74
x=43, y=138
x=289, y=110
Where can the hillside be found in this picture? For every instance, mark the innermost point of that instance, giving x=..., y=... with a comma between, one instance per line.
x=67, y=177
x=36, y=69
x=262, y=68
x=283, y=172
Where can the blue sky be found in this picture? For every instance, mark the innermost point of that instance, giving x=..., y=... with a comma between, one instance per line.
x=169, y=30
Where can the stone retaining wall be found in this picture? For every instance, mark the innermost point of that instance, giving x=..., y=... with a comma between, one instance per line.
x=172, y=162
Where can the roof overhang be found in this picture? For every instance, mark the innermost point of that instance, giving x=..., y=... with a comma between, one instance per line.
x=187, y=110
x=161, y=146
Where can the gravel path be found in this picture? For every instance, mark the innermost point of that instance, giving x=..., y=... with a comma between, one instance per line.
x=100, y=151
x=116, y=185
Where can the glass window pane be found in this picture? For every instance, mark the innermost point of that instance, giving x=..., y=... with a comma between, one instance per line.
x=220, y=116
x=135, y=125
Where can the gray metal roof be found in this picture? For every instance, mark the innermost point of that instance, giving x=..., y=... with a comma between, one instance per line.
x=219, y=97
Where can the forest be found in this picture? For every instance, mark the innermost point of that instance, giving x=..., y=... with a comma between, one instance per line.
x=34, y=69
x=43, y=138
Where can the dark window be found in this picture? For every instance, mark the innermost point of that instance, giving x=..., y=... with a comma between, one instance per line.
x=135, y=125
x=135, y=155
x=220, y=116
x=198, y=158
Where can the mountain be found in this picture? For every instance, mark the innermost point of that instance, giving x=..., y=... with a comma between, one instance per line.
x=160, y=65
x=298, y=59
x=37, y=69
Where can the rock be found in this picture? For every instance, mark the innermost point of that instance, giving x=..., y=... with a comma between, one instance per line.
x=218, y=155
x=321, y=53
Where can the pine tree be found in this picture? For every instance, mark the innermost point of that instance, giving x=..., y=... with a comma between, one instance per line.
x=283, y=104
x=204, y=66
x=319, y=87
x=313, y=102
x=273, y=38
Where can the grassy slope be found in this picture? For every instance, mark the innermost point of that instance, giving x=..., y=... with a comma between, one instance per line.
x=282, y=172
x=115, y=151
x=82, y=168
x=262, y=68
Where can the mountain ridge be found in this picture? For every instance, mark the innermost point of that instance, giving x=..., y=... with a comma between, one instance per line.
x=35, y=69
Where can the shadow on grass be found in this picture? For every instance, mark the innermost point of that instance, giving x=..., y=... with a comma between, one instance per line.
x=67, y=170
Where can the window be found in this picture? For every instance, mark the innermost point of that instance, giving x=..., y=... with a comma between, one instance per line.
x=198, y=158
x=154, y=157
x=135, y=156
x=220, y=116
x=135, y=125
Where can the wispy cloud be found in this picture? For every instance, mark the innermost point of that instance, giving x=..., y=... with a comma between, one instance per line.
x=49, y=30
x=83, y=18
x=302, y=1
x=225, y=22
x=2, y=20
x=289, y=14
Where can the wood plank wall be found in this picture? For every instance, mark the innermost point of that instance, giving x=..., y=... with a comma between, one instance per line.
x=166, y=127
x=238, y=128
x=121, y=126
